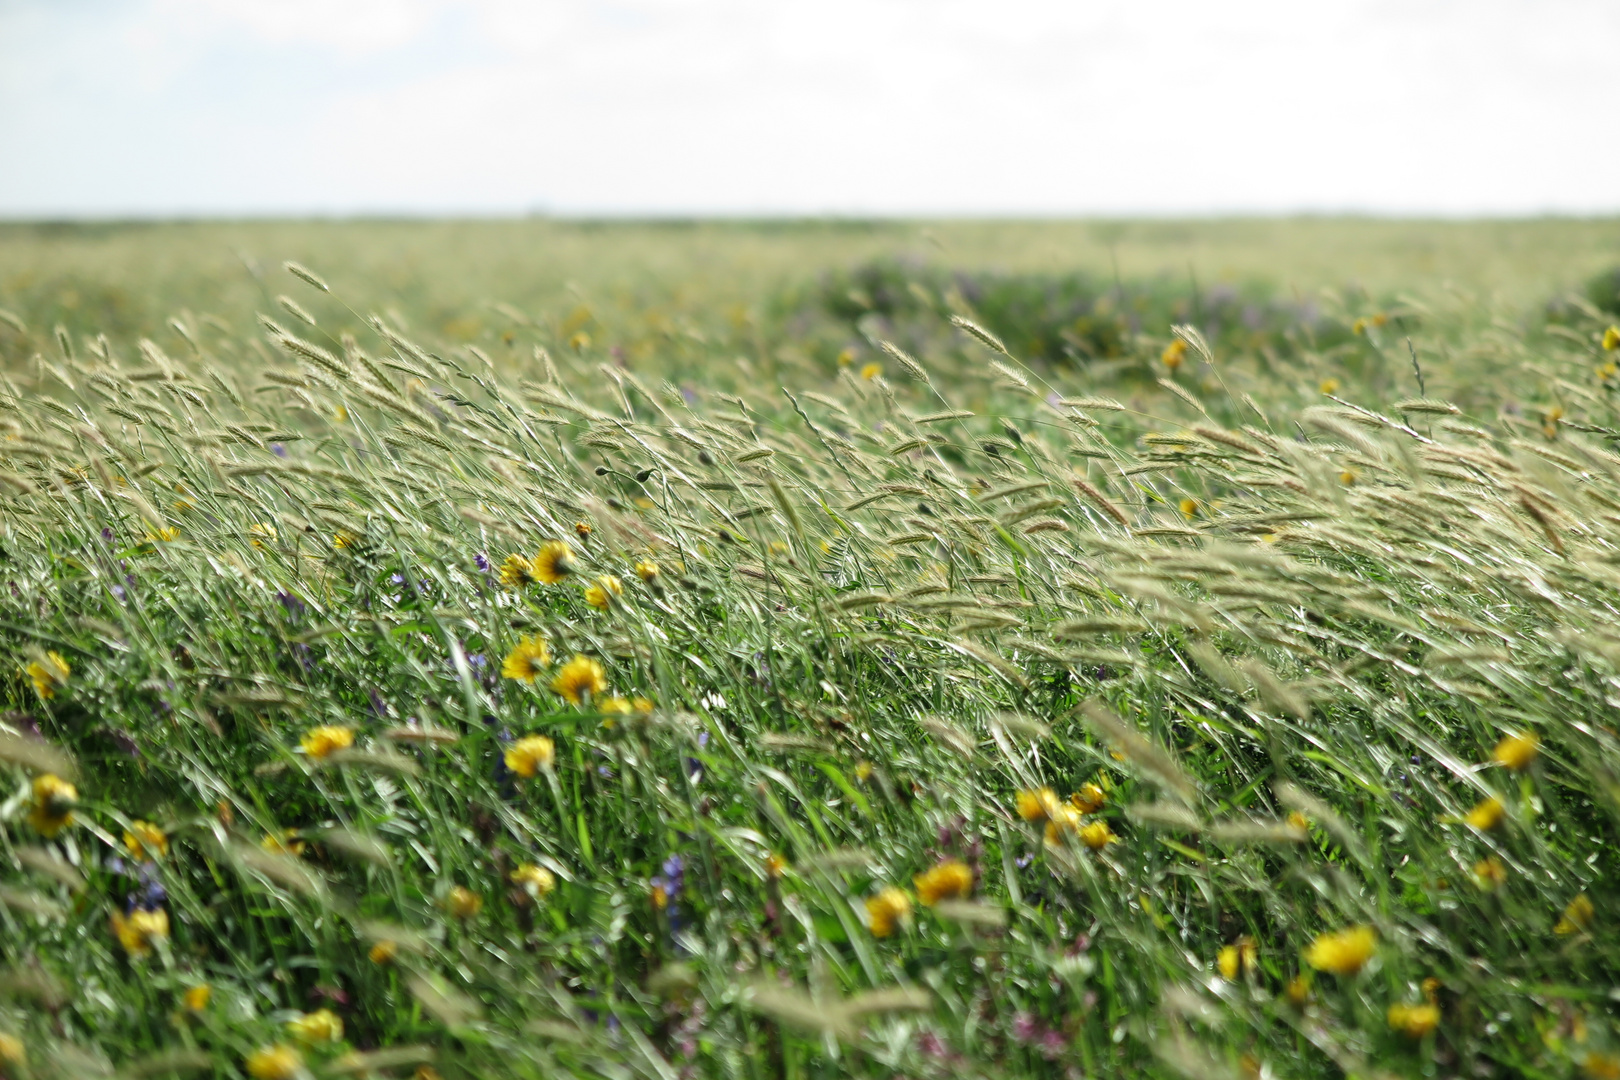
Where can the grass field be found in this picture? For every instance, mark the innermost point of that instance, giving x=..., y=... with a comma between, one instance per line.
x=535, y=649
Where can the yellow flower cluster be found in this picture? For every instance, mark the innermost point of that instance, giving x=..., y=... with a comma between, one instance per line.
x=53, y=804
x=144, y=840
x=887, y=910
x=1064, y=818
x=1239, y=958
x=553, y=563
x=949, y=880
x=1343, y=952
x=322, y=1025
x=528, y=755
x=320, y=742
x=139, y=931
x=48, y=675
x=1414, y=1021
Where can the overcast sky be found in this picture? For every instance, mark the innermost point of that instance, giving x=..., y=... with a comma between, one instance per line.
x=916, y=107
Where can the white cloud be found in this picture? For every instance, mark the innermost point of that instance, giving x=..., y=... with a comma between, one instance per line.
x=910, y=106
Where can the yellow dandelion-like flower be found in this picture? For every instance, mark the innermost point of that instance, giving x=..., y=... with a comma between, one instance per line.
x=1188, y=508
x=516, y=571
x=527, y=660
x=1414, y=1021
x=660, y=895
x=846, y=357
x=863, y=771
x=579, y=677
x=537, y=881
x=322, y=1025
x=775, y=865
x=145, y=841
x=1517, y=751
x=1343, y=952
x=888, y=909
x=1487, y=814
x=340, y=415
x=463, y=903
x=647, y=571
x=12, y=1051
x=642, y=705
x=259, y=532
x=615, y=706
x=602, y=594
x=581, y=529
x=1329, y=386
x=1347, y=477
x=197, y=998
x=139, y=931
x=1037, y=804
x=285, y=844
x=949, y=880
x=1611, y=339
x=1299, y=989
x=554, y=562
x=1174, y=353
x=165, y=535
x=871, y=371
x=344, y=538
x=278, y=1062
x=1299, y=821
x=48, y=675
x=1359, y=327
x=53, y=805
x=320, y=742
x=1239, y=958
x=1063, y=821
x=1089, y=799
x=579, y=341
x=1577, y=916
x=1097, y=835
x=530, y=754
x=383, y=952
x=1490, y=873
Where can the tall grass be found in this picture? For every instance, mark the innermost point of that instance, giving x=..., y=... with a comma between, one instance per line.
x=259, y=597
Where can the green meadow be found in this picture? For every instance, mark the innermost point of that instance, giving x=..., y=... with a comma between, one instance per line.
x=744, y=649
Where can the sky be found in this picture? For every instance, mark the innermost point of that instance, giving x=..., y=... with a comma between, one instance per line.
x=157, y=108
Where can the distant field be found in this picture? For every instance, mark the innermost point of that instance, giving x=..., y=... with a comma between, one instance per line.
x=651, y=652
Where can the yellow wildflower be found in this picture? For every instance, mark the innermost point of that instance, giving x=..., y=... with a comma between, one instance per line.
x=197, y=998
x=1577, y=916
x=1414, y=1021
x=1188, y=508
x=319, y=742
x=140, y=930
x=1347, y=477
x=285, y=844
x=278, y=1062
x=259, y=532
x=1299, y=821
x=537, y=881
x=48, y=675
x=54, y=800
x=1611, y=339
x=322, y=1025
x=527, y=659
x=1329, y=386
x=1359, y=326
x=12, y=1051
x=581, y=529
x=1299, y=989
x=863, y=771
x=383, y=952
x=1487, y=814
x=1089, y=799
x=887, y=909
x=580, y=340
x=647, y=571
x=1601, y=1066
x=949, y=880
x=579, y=677
x=167, y=535
x=516, y=571
x=345, y=538
x=1344, y=952
x=530, y=754
x=846, y=357
x=1238, y=958
x=463, y=903
x=870, y=372
x=145, y=841
x=1517, y=751
x=1174, y=353
x=1490, y=873
x=1097, y=835
x=774, y=866
x=601, y=594
x=554, y=562
x=1036, y=805
x=1064, y=820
